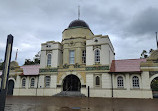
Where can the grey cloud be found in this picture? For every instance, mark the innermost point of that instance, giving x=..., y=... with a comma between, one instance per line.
x=143, y=23
x=36, y=21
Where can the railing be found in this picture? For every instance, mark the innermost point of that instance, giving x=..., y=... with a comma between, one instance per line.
x=67, y=89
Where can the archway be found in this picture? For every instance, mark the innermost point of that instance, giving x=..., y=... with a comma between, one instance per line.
x=10, y=87
x=154, y=87
x=71, y=83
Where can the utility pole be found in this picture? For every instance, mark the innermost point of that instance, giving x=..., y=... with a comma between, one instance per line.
x=156, y=40
x=5, y=73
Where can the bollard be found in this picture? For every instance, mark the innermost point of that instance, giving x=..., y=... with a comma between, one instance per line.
x=88, y=91
x=5, y=73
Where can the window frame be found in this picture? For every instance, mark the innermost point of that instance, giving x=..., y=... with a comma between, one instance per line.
x=84, y=56
x=97, y=56
x=49, y=64
x=120, y=82
x=47, y=83
x=135, y=82
x=72, y=59
x=32, y=86
x=23, y=83
x=97, y=80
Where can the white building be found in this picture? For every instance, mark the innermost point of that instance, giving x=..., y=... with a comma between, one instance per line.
x=83, y=59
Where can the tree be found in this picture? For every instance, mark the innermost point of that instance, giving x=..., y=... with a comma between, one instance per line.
x=144, y=54
x=150, y=51
x=1, y=64
x=28, y=62
x=36, y=60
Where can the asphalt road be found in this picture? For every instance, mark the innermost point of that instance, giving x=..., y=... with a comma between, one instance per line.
x=79, y=104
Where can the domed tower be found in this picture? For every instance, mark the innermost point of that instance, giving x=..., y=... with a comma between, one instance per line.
x=77, y=28
x=74, y=41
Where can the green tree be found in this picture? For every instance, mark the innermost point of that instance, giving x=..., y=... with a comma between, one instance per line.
x=36, y=60
x=1, y=65
x=28, y=62
x=144, y=54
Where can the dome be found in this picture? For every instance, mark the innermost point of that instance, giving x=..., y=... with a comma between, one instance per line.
x=78, y=23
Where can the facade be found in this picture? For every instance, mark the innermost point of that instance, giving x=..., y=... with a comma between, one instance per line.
x=84, y=60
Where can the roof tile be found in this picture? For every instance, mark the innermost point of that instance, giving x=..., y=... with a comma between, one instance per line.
x=128, y=65
x=30, y=69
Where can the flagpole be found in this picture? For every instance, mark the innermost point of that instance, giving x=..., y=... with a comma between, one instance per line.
x=16, y=55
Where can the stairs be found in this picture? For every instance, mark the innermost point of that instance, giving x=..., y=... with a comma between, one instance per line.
x=70, y=94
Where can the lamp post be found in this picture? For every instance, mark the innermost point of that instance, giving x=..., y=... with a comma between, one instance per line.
x=5, y=73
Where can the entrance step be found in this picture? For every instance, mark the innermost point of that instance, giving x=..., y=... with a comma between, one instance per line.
x=70, y=94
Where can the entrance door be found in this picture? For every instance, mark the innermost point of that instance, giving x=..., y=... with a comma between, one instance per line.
x=10, y=87
x=71, y=83
x=154, y=87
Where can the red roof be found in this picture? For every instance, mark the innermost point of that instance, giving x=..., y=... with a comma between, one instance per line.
x=30, y=69
x=128, y=65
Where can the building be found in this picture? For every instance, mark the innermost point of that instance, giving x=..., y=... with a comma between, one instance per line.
x=84, y=60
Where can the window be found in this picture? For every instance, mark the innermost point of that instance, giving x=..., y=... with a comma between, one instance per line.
x=120, y=82
x=71, y=57
x=49, y=56
x=97, y=56
x=135, y=80
x=32, y=84
x=84, y=56
x=97, y=80
x=23, y=82
x=47, y=81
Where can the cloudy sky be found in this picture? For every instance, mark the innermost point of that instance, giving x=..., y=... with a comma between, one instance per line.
x=130, y=24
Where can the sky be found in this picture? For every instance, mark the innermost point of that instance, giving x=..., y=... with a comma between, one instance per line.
x=130, y=24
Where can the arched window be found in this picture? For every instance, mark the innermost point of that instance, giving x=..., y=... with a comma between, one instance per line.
x=32, y=84
x=49, y=57
x=97, y=56
x=120, y=82
x=47, y=81
x=97, y=80
x=23, y=82
x=135, y=80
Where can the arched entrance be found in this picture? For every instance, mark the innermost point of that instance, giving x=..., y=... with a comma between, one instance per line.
x=154, y=87
x=10, y=87
x=71, y=83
